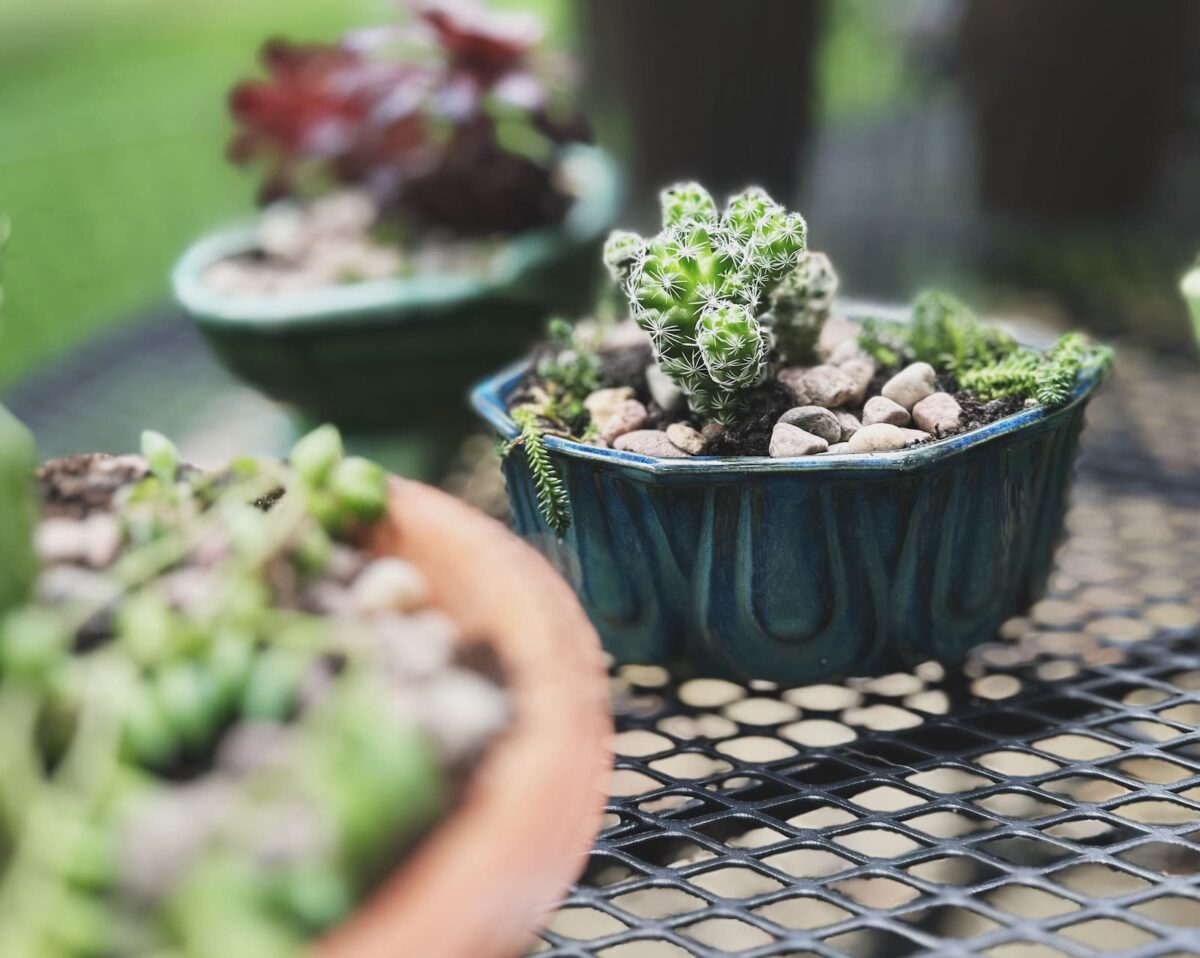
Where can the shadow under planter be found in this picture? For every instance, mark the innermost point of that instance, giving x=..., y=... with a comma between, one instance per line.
x=400, y=355
x=802, y=570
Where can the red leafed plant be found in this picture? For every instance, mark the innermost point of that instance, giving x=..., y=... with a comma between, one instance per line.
x=443, y=120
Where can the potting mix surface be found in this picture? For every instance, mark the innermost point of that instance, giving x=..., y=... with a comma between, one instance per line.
x=1043, y=801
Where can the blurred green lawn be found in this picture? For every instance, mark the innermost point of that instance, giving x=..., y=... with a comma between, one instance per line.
x=112, y=128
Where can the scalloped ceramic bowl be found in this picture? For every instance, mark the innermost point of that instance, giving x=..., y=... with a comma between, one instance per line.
x=803, y=570
x=403, y=352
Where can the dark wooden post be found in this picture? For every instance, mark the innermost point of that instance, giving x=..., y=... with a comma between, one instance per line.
x=1075, y=101
x=706, y=89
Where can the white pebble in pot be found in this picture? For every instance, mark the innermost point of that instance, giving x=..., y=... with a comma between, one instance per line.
x=389, y=585
x=912, y=384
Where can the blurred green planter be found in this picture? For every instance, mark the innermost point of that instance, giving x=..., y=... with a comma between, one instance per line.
x=400, y=354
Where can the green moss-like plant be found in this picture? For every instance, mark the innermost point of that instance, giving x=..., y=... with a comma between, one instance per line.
x=699, y=285
x=985, y=360
x=18, y=459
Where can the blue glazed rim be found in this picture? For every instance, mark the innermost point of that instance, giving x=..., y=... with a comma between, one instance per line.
x=587, y=220
x=488, y=399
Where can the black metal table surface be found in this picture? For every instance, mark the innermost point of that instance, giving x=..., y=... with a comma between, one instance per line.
x=1042, y=801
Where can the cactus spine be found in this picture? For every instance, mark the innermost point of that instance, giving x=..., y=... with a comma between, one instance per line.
x=698, y=285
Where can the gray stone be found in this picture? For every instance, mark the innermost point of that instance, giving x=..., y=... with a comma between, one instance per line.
x=827, y=386
x=792, y=377
x=791, y=442
x=710, y=430
x=915, y=436
x=838, y=332
x=626, y=416
x=816, y=420
x=881, y=409
x=849, y=423
x=838, y=448
x=601, y=403
x=686, y=438
x=663, y=389
x=649, y=442
x=861, y=372
x=939, y=414
x=878, y=437
x=846, y=351
x=912, y=384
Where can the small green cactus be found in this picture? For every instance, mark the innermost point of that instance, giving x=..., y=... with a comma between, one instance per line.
x=799, y=306
x=698, y=286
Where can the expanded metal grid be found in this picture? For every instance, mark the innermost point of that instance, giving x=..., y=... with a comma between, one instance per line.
x=1043, y=801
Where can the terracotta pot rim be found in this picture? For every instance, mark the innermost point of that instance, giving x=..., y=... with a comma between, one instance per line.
x=481, y=882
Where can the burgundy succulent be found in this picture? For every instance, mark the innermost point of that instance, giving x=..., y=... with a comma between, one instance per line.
x=443, y=120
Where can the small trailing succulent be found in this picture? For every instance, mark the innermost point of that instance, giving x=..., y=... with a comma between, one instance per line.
x=211, y=742
x=736, y=308
x=444, y=121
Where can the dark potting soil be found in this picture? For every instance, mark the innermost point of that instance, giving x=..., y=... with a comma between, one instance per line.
x=976, y=413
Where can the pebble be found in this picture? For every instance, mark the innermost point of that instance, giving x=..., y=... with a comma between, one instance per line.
x=838, y=332
x=827, y=386
x=878, y=437
x=912, y=384
x=838, y=448
x=939, y=414
x=626, y=417
x=816, y=420
x=881, y=409
x=861, y=372
x=389, y=585
x=686, y=438
x=849, y=423
x=461, y=710
x=790, y=442
x=417, y=646
x=602, y=402
x=93, y=541
x=649, y=442
x=711, y=430
x=916, y=435
x=663, y=389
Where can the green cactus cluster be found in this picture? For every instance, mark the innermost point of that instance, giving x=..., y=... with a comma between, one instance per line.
x=1049, y=378
x=699, y=286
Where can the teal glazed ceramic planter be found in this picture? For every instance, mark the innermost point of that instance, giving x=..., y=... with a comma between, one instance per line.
x=402, y=353
x=804, y=570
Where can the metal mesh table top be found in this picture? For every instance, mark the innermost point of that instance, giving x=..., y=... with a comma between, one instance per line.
x=1042, y=801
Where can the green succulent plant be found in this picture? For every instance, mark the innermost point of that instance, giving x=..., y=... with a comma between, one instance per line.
x=698, y=286
x=985, y=360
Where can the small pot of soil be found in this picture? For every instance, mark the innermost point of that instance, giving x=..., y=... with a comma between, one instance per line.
x=428, y=205
x=752, y=481
x=287, y=709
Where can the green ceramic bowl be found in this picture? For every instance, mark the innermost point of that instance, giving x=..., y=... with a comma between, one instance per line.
x=400, y=354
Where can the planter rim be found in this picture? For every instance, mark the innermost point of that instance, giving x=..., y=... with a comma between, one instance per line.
x=488, y=399
x=586, y=220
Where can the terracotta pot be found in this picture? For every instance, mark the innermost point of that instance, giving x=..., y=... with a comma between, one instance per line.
x=479, y=884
